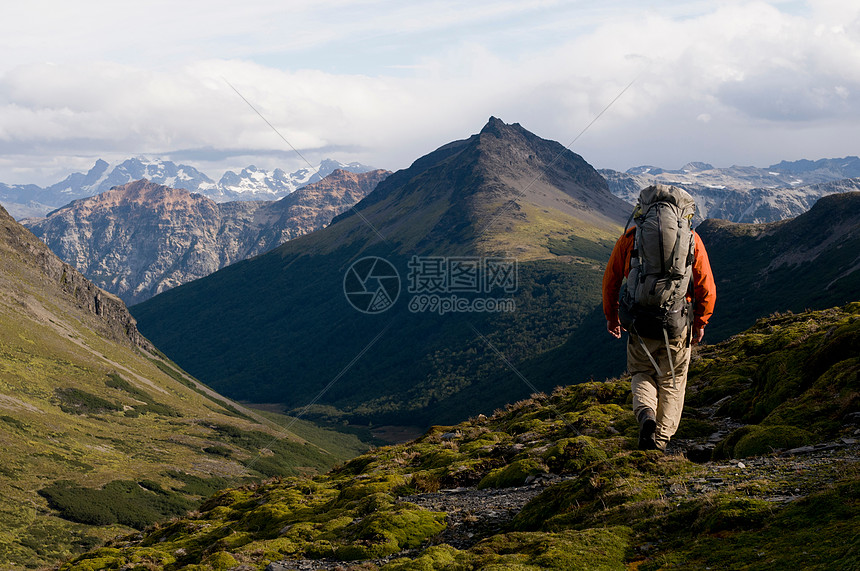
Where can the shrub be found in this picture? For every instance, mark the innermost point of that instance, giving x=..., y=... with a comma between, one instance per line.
x=120, y=501
x=76, y=401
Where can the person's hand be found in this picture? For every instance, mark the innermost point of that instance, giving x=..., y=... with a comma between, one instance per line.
x=698, y=335
x=614, y=328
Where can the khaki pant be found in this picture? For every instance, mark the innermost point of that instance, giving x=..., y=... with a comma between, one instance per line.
x=659, y=393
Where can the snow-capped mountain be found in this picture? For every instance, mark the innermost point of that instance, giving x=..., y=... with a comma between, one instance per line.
x=142, y=238
x=102, y=178
x=745, y=194
x=251, y=183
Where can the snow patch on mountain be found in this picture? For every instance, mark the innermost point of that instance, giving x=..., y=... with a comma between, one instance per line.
x=746, y=194
x=251, y=183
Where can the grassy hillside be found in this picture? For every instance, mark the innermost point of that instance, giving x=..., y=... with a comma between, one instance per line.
x=101, y=434
x=303, y=312
x=806, y=262
x=589, y=499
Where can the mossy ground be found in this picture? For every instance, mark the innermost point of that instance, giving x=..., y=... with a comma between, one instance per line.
x=613, y=507
x=795, y=376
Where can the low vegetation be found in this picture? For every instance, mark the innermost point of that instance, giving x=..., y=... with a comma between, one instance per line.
x=607, y=505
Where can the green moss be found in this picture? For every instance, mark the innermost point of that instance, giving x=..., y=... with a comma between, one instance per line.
x=573, y=454
x=694, y=428
x=355, y=492
x=221, y=561
x=514, y=474
x=384, y=533
x=622, y=509
x=818, y=532
x=103, y=558
x=756, y=440
x=432, y=558
x=733, y=514
x=599, y=494
x=592, y=549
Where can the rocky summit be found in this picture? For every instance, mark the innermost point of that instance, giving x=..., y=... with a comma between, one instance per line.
x=142, y=238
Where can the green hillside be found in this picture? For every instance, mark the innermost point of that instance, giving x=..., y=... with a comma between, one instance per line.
x=784, y=397
x=423, y=369
x=101, y=434
x=808, y=262
x=279, y=328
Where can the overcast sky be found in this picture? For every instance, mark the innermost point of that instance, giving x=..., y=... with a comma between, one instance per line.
x=384, y=82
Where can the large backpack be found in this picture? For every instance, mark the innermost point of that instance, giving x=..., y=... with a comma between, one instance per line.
x=653, y=302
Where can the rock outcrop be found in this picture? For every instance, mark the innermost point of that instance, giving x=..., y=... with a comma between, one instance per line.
x=111, y=315
x=142, y=238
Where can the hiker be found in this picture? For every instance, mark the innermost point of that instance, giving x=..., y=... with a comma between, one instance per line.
x=664, y=305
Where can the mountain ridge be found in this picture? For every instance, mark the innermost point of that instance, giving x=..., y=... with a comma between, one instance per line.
x=251, y=183
x=746, y=194
x=778, y=270
x=116, y=320
x=142, y=238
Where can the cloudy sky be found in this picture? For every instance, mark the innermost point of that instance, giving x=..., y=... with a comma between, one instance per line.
x=384, y=82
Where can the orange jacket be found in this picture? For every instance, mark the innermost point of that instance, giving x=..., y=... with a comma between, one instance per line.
x=704, y=288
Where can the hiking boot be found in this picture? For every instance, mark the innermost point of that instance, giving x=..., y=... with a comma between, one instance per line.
x=647, y=427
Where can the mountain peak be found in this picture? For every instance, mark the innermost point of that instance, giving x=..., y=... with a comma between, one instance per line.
x=481, y=189
x=500, y=129
x=494, y=124
x=99, y=166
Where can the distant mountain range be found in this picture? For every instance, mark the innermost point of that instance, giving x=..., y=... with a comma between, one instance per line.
x=746, y=194
x=100, y=429
x=142, y=238
x=251, y=183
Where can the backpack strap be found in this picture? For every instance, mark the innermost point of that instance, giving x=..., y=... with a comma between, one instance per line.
x=671, y=364
x=647, y=352
x=629, y=220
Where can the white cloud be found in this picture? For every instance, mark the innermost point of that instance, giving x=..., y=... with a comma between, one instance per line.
x=739, y=82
